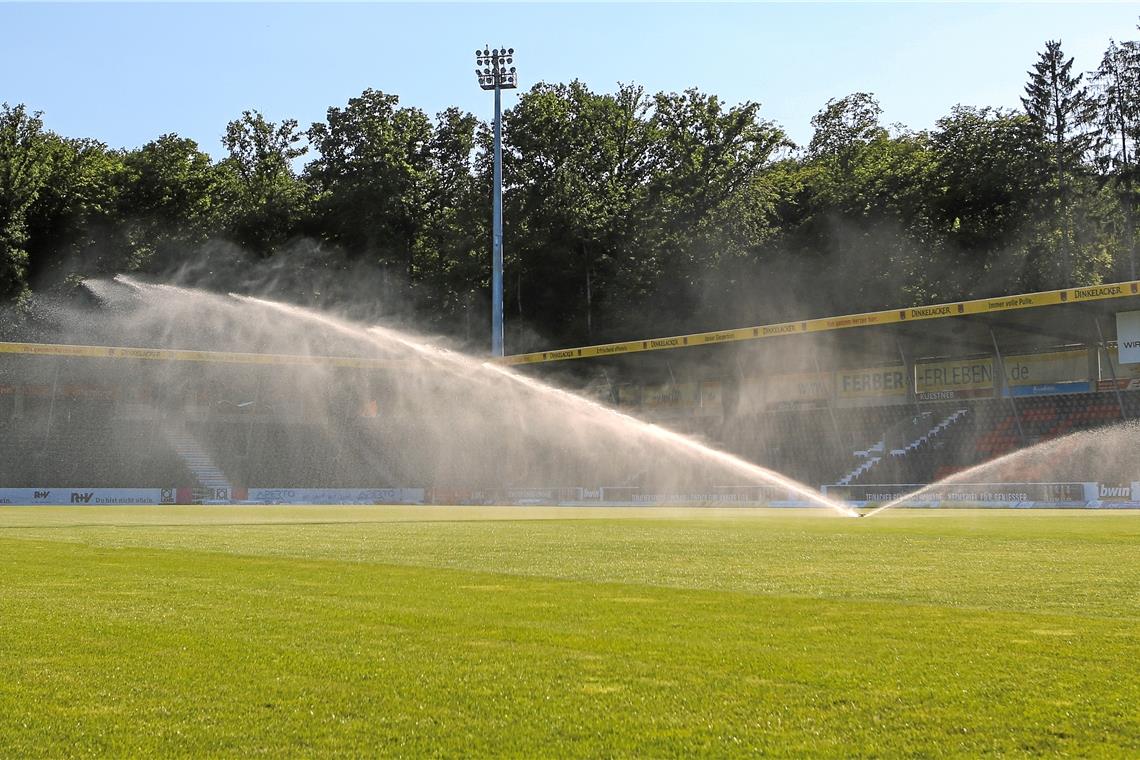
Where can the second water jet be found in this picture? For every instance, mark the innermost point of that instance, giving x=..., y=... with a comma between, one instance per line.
x=1106, y=454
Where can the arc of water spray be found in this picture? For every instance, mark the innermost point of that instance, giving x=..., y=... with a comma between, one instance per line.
x=676, y=439
x=959, y=477
x=461, y=366
x=968, y=475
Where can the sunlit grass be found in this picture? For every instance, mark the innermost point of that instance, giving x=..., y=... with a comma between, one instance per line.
x=358, y=631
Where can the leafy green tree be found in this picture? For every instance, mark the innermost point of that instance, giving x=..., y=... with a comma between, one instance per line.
x=451, y=249
x=71, y=224
x=169, y=199
x=268, y=199
x=625, y=212
x=843, y=125
x=859, y=220
x=370, y=178
x=985, y=195
x=706, y=160
x=576, y=172
x=25, y=155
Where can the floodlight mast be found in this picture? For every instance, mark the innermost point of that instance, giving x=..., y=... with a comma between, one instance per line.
x=495, y=72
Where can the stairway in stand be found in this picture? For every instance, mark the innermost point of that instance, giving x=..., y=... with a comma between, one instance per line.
x=200, y=464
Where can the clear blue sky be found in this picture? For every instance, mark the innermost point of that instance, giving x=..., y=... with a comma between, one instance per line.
x=126, y=73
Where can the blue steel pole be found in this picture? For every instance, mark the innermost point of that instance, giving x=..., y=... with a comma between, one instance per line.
x=497, y=234
x=495, y=72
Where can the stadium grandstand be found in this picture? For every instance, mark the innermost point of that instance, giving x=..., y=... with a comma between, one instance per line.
x=905, y=396
x=902, y=396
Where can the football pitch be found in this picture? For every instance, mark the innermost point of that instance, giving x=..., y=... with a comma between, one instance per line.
x=362, y=631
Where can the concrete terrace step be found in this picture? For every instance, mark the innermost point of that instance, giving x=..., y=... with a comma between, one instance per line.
x=198, y=461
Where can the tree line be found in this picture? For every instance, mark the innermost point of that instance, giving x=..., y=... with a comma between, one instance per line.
x=626, y=213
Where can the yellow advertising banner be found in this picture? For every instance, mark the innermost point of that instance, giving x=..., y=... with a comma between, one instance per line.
x=1051, y=372
x=825, y=324
x=1046, y=368
x=955, y=378
x=1121, y=290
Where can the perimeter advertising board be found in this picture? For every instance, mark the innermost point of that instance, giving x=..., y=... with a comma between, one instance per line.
x=1114, y=493
x=967, y=494
x=85, y=496
x=337, y=495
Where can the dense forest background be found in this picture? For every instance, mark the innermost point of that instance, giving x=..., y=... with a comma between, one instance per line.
x=626, y=213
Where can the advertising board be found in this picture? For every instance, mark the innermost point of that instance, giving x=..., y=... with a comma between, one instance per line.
x=629, y=394
x=954, y=379
x=1051, y=389
x=1048, y=373
x=1127, y=376
x=712, y=398
x=1128, y=336
x=670, y=396
x=872, y=381
x=1048, y=368
x=83, y=496
x=1051, y=372
x=968, y=494
x=1114, y=492
x=786, y=391
x=719, y=496
x=336, y=495
x=878, y=385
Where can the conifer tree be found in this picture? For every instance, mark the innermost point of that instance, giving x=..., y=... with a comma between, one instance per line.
x=1058, y=104
x=1116, y=99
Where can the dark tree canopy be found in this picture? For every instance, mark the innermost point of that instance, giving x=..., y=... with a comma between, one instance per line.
x=626, y=212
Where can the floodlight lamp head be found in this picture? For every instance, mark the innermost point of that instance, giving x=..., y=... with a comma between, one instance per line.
x=492, y=71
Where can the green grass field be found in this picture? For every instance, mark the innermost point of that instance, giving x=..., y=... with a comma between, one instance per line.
x=526, y=632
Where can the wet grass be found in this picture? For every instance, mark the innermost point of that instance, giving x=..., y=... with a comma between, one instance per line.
x=421, y=631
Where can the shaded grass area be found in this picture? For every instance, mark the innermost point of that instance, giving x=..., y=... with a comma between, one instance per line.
x=649, y=633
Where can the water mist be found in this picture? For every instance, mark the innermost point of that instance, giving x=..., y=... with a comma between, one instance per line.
x=439, y=418
x=1108, y=453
